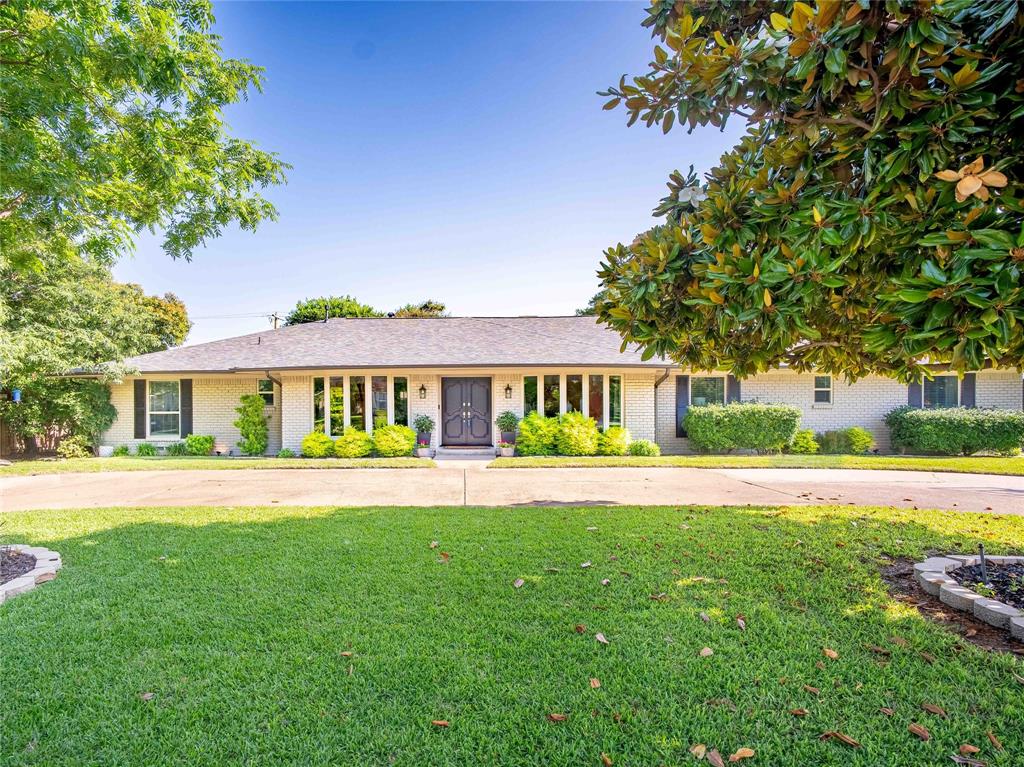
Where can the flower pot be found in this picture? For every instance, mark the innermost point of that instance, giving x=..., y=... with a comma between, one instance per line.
x=508, y=436
x=422, y=436
x=423, y=452
x=507, y=452
x=106, y=451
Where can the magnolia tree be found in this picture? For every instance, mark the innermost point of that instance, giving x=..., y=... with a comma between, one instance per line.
x=871, y=217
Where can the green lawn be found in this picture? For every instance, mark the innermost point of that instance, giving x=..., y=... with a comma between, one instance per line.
x=970, y=465
x=135, y=463
x=282, y=636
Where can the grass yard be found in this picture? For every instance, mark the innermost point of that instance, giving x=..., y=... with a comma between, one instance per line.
x=968, y=465
x=164, y=463
x=282, y=636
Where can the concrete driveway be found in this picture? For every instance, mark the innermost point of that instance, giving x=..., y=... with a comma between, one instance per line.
x=458, y=483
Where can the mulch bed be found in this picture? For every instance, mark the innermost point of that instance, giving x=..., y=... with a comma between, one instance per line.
x=1005, y=582
x=14, y=563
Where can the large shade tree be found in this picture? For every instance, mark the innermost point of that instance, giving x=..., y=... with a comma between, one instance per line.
x=327, y=307
x=870, y=219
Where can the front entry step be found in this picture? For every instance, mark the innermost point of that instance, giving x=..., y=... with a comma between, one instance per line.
x=464, y=453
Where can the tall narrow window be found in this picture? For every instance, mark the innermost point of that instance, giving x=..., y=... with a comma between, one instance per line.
x=595, y=406
x=941, y=391
x=164, y=409
x=357, y=402
x=337, y=405
x=551, y=396
x=574, y=393
x=529, y=395
x=615, y=400
x=379, y=400
x=401, y=395
x=823, y=389
x=265, y=388
x=707, y=391
x=318, y=404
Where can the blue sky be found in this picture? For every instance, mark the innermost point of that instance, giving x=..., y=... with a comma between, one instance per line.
x=455, y=151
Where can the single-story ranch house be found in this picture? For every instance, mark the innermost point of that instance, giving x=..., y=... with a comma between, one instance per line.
x=464, y=371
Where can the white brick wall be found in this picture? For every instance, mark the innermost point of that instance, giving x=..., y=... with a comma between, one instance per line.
x=999, y=388
x=296, y=410
x=638, y=404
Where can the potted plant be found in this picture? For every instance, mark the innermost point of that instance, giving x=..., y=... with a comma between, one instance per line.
x=507, y=423
x=507, y=449
x=423, y=449
x=424, y=425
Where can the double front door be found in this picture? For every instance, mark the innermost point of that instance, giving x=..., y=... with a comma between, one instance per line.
x=466, y=411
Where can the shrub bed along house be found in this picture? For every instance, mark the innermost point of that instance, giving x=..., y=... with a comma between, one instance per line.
x=537, y=435
x=613, y=441
x=316, y=444
x=851, y=441
x=353, y=443
x=576, y=434
x=956, y=431
x=742, y=425
x=394, y=441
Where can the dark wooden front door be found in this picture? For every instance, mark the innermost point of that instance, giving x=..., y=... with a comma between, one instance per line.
x=465, y=411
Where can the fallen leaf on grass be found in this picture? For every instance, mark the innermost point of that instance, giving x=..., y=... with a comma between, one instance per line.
x=580, y=628
x=518, y=583
x=742, y=753
x=706, y=652
x=931, y=708
x=698, y=750
x=440, y=722
x=591, y=529
x=705, y=617
x=605, y=582
x=600, y=638
x=715, y=758
x=967, y=749
x=919, y=730
x=659, y=597
x=434, y=544
x=899, y=641
x=970, y=762
x=928, y=657
x=887, y=711
x=346, y=653
x=741, y=622
x=830, y=653
x=445, y=556
x=799, y=712
x=1017, y=677
x=606, y=760
x=996, y=743
x=557, y=717
x=841, y=737
x=594, y=683
x=878, y=650
x=147, y=695
x=812, y=690
x=585, y=564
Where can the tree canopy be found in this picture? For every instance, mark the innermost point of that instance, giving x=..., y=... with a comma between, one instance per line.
x=317, y=309
x=112, y=125
x=870, y=219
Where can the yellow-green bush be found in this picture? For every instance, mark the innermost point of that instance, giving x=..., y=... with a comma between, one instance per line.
x=613, y=441
x=353, y=443
x=393, y=441
x=576, y=435
x=316, y=444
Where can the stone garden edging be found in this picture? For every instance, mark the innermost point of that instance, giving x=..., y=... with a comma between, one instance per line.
x=47, y=564
x=932, y=577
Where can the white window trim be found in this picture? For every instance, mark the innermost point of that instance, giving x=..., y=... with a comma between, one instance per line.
x=831, y=392
x=272, y=392
x=162, y=437
x=606, y=377
x=725, y=388
x=346, y=389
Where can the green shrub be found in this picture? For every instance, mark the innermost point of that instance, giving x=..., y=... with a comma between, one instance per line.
x=353, y=443
x=74, y=447
x=393, y=441
x=953, y=431
x=252, y=425
x=145, y=449
x=846, y=441
x=177, y=449
x=576, y=435
x=644, y=447
x=285, y=452
x=423, y=424
x=803, y=443
x=861, y=440
x=199, y=444
x=537, y=435
x=316, y=444
x=745, y=425
x=121, y=451
x=613, y=441
x=507, y=421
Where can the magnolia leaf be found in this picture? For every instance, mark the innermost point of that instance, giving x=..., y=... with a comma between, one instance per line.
x=779, y=22
x=742, y=753
x=919, y=730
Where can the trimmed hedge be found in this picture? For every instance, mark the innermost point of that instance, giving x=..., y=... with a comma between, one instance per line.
x=853, y=440
x=956, y=431
x=353, y=443
x=576, y=435
x=613, y=441
x=537, y=435
x=644, y=447
x=394, y=441
x=199, y=444
x=316, y=444
x=741, y=425
x=803, y=443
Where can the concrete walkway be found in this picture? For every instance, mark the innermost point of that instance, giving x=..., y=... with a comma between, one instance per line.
x=456, y=483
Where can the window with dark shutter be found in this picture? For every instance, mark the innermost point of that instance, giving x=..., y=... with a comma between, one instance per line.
x=186, y=407
x=682, y=403
x=140, y=408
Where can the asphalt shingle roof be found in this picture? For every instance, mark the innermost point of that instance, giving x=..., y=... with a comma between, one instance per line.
x=394, y=342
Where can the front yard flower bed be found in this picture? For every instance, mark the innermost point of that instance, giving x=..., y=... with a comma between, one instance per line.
x=955, y=580
x=22, y=568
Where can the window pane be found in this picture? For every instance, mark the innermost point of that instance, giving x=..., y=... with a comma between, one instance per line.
x=337, y=405
x=163, y=424
x=823, y=395
x=265, y=388
x=707, y=391
x=551, y=395
x=379, y=400
x=357, y=401
x=401, y=387
x=529, y=395
x=574, y=393
x=615, y=400
x=941, y=391
x=318, y=404
x=595, y=395
x=163, y=396
x=822, y=382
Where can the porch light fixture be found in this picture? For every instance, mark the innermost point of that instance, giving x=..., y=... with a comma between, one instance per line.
x=423, y=391
x=508, y=391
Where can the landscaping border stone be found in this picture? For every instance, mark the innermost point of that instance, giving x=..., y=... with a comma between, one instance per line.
x=931, y=575
x=47, y=564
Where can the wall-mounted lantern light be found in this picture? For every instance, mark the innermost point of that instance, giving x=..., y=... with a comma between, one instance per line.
x=423, y=391
x=508, y=391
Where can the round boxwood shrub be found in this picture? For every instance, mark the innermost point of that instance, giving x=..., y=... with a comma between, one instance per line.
x=199, y=444
x=861, y=440
x=613, y=441
x=742, y=425
x=803, y=443
x=393, y=441
x=285, y=452
x=537, y=435
x=353, y=443
x=577, y=435
x=644, y=447
x=316, y=444
x=954, y=431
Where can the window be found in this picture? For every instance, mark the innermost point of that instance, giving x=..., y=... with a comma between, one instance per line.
x=379, y=400
x=707, y=391
x=529, y=395
x=318, y=404
x=400, y=387
x=615, y=400
x=941, y=391
x=595, y=397
x=552, y=403
x=164, y=409
x=265, y=388
x=357, y=401
x=574, y=393
x=823, y=389
x=337, y=406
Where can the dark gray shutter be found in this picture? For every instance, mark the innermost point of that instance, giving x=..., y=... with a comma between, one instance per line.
x=915, y=395
x=140, y=408
x=968, y=388
x=185, y=392
x=682, y=403
x=732, y=389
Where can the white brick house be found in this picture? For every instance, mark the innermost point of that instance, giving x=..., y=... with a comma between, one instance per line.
x=464, y=371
